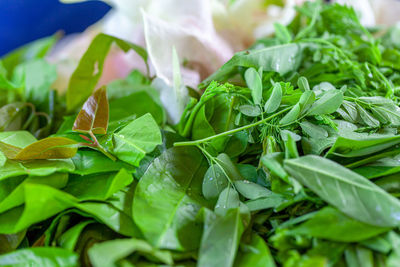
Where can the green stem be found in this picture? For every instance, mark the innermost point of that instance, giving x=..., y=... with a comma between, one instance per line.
x=101, y=148
x=200, y=141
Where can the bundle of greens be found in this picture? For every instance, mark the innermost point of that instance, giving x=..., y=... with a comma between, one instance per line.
x=289, y=156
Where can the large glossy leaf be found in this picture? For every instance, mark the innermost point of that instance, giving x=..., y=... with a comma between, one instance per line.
x=91, y=162
x=108, y=253
x=90, y=68
x=48, y=148
x=40, y=256
x=136, y=139
x=331, y=224
x=98, y=186
x=171, y=190
x=281, y=59
x=93, y=116
x=220, y=240
x=16, y=197
x=351, y=193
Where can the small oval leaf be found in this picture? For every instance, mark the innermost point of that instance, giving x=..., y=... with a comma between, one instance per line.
x=275, y=99
x=253, y=81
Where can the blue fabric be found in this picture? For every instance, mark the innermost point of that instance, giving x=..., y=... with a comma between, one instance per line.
x=22, y=21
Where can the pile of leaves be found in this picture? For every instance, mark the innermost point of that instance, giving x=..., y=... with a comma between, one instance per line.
x=288, y=157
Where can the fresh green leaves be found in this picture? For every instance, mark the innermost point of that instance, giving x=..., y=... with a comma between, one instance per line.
x=136, y=139
x=349, y=192
x=220, y=240
x=171, y=190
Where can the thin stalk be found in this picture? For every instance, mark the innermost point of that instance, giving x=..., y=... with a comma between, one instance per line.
x=101, y=148
x=200, y=141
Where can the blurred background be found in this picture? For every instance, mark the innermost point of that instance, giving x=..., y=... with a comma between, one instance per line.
x=22, y=21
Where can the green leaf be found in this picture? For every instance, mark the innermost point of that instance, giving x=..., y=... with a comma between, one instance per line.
x=367, y=118
x=302, y=83
x=171, y=189
x=48, y=148
x=291, y=116
x=137, y=103
x=263, y=203
x=40, y=256
x=351, y=193
x=255, y=254
x=220, y=240
x=107, y=254
x=136, y=139
x=306, y=101
x=282, y=33
x=227, y=200
x=69, y=238
x=328, y=103
x=34, y=50
x=214, y=182
x=349, y=147
x=36, y=77
x=314, y=131
x=93, y=116
x=328, y=223
x=90, y=68
x=36, y=168
x=253, y=81
x=91, y=162
x=16, y=197
x=19, y=139
x=249, y=110
x=251, y=190
x=275, y=99
x=282, y=59
x=98, y=187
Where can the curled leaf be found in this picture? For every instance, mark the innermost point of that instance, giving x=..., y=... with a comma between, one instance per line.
x=93, y=116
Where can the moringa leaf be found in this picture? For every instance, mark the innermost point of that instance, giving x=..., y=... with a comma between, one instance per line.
x=253, y=81
x=275, y=99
